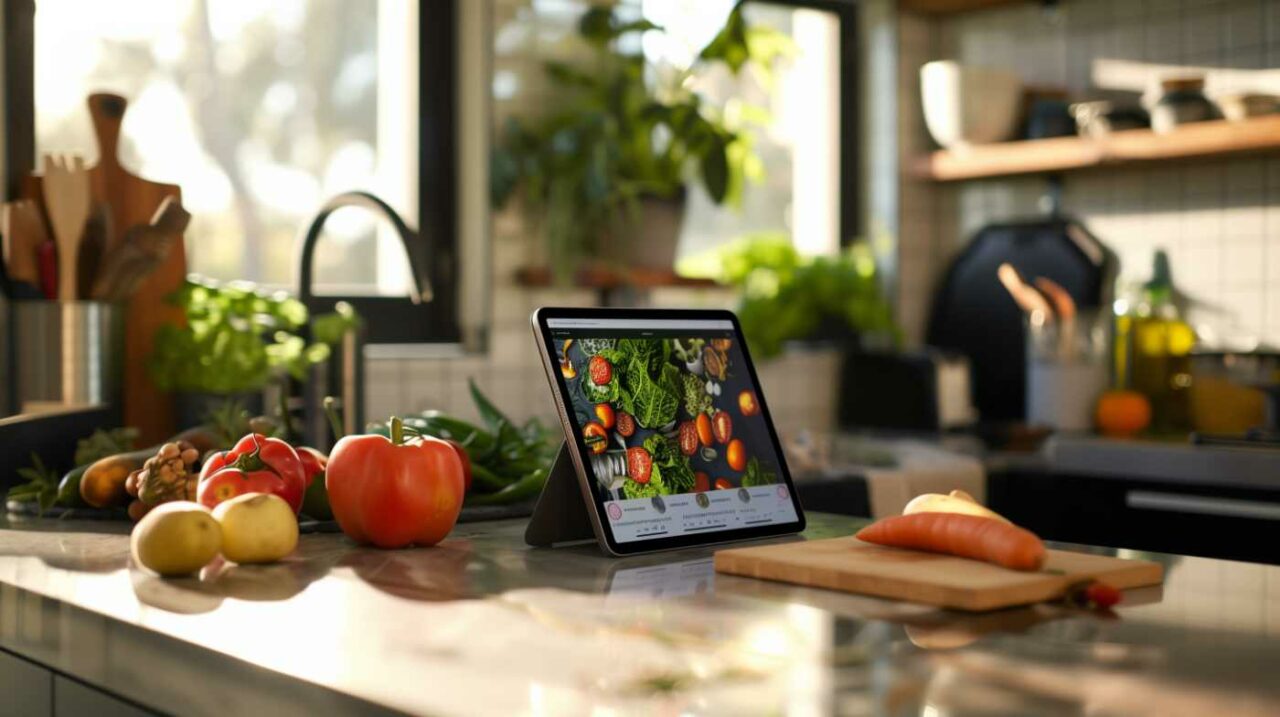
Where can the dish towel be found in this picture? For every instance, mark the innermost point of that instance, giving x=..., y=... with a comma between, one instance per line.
x=922, y=468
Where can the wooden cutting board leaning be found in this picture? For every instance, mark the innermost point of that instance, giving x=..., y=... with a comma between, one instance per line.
x=850, y=565
x=127, y=203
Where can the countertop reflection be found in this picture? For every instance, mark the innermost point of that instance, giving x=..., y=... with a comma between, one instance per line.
x=483, y=624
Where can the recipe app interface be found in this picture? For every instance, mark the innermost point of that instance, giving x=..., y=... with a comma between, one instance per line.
x=671, y=426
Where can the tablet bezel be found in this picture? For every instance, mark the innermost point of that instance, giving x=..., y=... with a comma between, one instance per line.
x=574, y=439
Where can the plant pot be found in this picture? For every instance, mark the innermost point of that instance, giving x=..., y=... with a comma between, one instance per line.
x=192, y=408
x=647, y=238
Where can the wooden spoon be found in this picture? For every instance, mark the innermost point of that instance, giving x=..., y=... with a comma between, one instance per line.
x=24, y=231
x=1026, y=296
x=142, y=249
x=66, y=199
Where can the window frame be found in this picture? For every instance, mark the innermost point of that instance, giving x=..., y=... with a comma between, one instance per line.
x=846, y=12
x=437, y=219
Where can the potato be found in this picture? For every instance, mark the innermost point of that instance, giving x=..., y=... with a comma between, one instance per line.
x=938, y=503
x=176, y=538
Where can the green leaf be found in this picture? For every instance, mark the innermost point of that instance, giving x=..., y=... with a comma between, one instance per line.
x=730, y=44
x=332, y=327
x=103, y=443
x=715, y=170
x=596, y=24
x=489, y=413
x=567, y=74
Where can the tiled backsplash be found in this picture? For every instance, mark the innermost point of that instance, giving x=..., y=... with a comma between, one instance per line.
x=1219, y=220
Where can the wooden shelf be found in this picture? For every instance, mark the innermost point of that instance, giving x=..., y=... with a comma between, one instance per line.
x=604, y=278
x=1065, y=154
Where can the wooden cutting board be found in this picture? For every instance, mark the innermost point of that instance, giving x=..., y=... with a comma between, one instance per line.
x=850, y=565
x=134, y=201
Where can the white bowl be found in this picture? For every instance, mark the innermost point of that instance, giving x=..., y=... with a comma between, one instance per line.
x=969, y=105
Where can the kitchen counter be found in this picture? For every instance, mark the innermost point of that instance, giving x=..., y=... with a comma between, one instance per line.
x=483, y=624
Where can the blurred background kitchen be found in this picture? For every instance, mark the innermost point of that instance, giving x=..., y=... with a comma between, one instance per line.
x=1019, y=246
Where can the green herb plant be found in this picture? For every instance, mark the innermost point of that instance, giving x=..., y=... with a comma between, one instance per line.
x=787, y=297
x=618, y=135
x=41, y=485
x=237, y=338
x=102, y=443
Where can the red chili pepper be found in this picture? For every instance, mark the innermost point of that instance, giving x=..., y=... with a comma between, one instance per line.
x=1095, y=595
x=1103, y=595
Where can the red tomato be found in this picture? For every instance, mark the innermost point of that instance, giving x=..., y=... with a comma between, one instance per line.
x=736, y=455
x=626, y=424
x=313, y=463
x=465, y=459
x=723, y=484
x=596, y=438
x=747, y=403
x=701, y=482
x=391, y=493
x=255, y=464
x=639, y=464
x=604, y=412
x=722, y=425
x=704, y=429
x=721, y=344
x=688, y=438
x=601, y=370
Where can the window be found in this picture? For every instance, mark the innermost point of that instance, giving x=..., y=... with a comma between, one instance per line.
x=795, y=115
x=259, y=111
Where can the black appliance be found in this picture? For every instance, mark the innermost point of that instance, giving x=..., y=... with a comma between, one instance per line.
x=974, y=315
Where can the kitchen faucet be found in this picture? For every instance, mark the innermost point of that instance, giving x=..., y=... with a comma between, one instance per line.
x=384, y=319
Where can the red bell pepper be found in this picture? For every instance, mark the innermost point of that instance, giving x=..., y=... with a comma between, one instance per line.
x=391, y=492
x=256, y=464
x=313, y=463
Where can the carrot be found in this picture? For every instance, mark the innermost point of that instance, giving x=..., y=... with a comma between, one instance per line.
x=968, y=536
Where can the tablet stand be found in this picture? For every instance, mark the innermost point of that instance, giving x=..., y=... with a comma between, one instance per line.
x=560, y=515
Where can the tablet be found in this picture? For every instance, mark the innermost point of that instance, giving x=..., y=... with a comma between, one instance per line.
x=667, y=427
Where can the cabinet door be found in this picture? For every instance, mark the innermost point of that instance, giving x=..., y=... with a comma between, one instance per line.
x=25, y=688
x=72, y=699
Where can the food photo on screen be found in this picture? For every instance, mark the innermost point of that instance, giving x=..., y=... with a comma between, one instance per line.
x=666, y=416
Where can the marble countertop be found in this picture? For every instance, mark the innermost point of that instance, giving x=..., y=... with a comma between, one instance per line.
x=483, y=624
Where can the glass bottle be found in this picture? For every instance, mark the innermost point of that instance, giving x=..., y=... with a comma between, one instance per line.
x=1159, y=351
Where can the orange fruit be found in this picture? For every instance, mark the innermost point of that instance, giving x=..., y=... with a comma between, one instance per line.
x=1122, y=414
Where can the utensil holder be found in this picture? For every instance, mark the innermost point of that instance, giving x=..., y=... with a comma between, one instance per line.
x=1066, y=371
x=68, y=353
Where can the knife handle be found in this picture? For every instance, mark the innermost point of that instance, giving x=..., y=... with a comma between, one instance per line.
x=47, y=258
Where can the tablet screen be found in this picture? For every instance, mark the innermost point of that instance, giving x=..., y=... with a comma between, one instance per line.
x=671, y=427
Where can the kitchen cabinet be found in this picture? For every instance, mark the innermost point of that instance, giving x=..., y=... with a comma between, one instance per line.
x=73, y=699
x=1231, y=522
x=31, y=690
x=27, y=688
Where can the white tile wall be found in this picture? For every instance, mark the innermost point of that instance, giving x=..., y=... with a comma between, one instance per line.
x=1219, y=220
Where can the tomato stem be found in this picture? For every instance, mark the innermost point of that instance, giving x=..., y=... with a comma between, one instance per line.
x=335, y=423
x=397, y=431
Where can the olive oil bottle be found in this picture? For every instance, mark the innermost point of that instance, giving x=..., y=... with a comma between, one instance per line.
x=1153, y=351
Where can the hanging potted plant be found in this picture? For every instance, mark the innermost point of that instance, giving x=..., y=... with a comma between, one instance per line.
x=605, y=173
